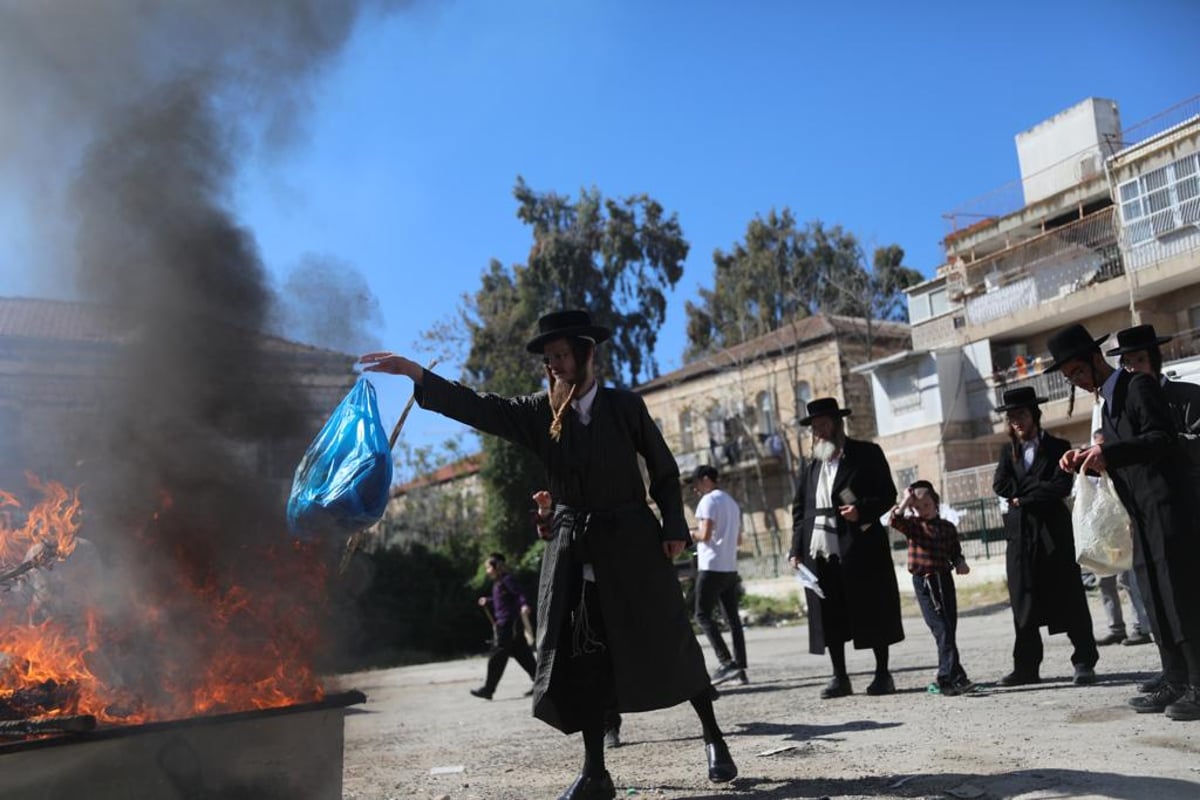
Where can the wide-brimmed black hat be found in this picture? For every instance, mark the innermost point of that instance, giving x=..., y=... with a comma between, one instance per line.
x=1020, y=397
x=1139, y=337
x=703, y=471
x=824, y=407
x=563, y=324
x=1073, y=341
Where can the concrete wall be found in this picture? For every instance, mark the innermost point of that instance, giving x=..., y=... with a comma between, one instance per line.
x=1067, y=148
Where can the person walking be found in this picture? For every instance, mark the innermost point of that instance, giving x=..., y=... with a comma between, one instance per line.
x=613, y=631
x=1045, y=584
x=508, y=606
x=1142, y=455
x=934, y=555
x=718, y=535
x=842, y=491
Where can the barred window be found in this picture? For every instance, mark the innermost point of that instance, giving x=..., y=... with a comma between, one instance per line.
x=1161, y=200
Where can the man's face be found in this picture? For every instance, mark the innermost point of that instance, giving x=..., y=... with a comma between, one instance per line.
x=1080, y=373
x=1022, y=424
x=558, y=357
x=702, y=486
x=1137, y=361
x=825, y=428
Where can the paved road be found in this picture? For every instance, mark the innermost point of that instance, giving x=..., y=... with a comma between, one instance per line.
x=422, y=735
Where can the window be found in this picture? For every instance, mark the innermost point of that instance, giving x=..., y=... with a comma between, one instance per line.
x=686, y=433
x=765, y=405
x=803, y=395
x=906, y=477
x=1161, y=200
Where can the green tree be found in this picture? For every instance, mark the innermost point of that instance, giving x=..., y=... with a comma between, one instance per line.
x=783, y=272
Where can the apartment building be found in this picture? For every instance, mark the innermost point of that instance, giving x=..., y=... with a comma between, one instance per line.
x=738, y=409
x=1103, y=228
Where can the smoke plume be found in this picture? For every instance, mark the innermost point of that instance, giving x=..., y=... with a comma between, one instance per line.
x=122, y=126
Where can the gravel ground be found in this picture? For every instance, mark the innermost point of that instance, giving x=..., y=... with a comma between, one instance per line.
x=420, y=734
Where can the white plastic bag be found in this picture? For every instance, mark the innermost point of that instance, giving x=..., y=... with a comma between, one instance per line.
x=1103, y=544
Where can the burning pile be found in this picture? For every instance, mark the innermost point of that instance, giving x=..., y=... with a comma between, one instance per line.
x=74, y=641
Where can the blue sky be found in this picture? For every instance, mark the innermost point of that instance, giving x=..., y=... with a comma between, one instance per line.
x=878, y=116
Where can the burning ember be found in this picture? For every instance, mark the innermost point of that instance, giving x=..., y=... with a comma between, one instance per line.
x=81, y=634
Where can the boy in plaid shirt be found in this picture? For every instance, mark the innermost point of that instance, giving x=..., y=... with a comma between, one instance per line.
x=934, y=555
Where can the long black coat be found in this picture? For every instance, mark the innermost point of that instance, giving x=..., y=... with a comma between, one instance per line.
x=870, y=598
x=1151, y=476
x=594, y=468
x=1045, y=586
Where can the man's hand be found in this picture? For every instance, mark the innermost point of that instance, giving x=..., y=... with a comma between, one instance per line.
x=672, y=548
x=1071, y=460
x=962, y=568
x=392, y=364
x=794, y=561
x=1093, y=460
x=542, y=499
x=850, y=513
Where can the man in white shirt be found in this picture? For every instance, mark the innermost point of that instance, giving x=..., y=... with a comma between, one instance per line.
x=718, y=535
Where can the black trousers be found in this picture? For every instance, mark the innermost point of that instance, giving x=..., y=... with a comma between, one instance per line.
x=508, y=642
x=938, y=600
x=720, y=587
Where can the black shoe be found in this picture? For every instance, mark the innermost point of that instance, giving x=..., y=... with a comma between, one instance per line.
x=1152, y=685
x=1084, y=675
x=1136, y=639
x=589, y=787
x=726, y=672
x=883, y=684
x=481, y=692
x=1157, y=701
x=1187, y=707
x=721, y=768
x=1112, y=638
x=1019, y=678
x=960, y=685
x=612, y=738
x=837, y=687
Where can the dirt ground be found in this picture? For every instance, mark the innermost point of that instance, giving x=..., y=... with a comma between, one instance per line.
x=421, y=735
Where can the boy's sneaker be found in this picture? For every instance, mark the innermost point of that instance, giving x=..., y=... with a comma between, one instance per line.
x=934, y=688
x=726, y=672
x=959, y=686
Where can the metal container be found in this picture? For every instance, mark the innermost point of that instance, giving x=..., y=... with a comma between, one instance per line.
x=293, y=752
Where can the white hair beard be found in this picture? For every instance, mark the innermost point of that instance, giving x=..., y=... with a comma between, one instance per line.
x=824, y=450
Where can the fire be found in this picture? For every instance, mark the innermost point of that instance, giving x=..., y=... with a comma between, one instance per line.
x=77, y=637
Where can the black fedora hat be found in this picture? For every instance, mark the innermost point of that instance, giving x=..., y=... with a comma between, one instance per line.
x=563, y=324
x=1139, y=337
x=1073, y=341
x=824, y=407
x=1020, y=397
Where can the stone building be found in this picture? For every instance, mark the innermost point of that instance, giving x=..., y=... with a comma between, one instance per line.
x=738, y=409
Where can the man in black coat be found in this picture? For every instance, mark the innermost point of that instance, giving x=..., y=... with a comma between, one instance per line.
x=1141, y=453
x=613, y=632
x=842, y=492
x=1045, y=586
x=1139, y=349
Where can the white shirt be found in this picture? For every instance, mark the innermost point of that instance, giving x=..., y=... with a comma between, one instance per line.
x=719, y=553
x=1029, y=451
x=583, y=405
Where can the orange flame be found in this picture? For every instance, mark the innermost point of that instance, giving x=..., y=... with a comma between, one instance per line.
x=239, y=651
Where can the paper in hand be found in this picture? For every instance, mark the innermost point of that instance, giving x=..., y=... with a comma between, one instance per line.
x=806, y=578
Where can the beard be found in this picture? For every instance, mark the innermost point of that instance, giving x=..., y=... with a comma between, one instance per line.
x=562, y=390
x=825, y=450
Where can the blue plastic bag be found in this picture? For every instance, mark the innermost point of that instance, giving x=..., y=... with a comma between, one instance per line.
x=344, y=481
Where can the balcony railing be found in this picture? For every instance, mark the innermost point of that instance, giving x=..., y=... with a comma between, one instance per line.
x=1051, y=265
